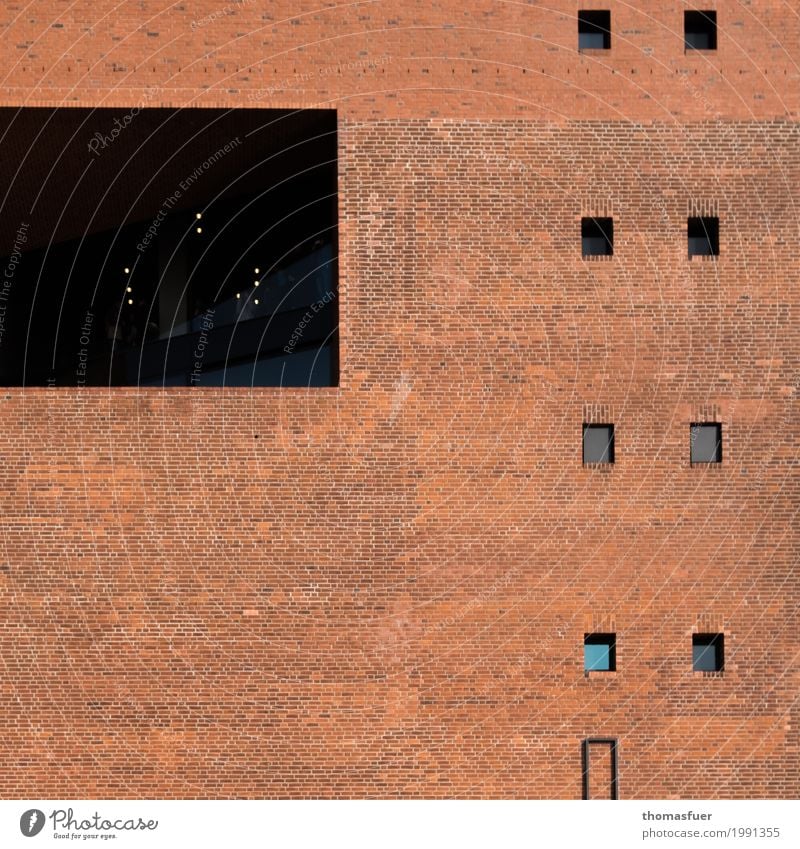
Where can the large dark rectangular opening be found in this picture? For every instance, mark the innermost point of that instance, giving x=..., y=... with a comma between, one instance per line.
x=168, y=247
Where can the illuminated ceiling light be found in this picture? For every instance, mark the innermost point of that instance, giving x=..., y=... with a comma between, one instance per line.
x=129, y=289
x=256, y=301
x=198, y=215
x=199, y=229
x=238, y=295
x=256, y=270
x=130, y=300
x=256, y=282
x=127, y=271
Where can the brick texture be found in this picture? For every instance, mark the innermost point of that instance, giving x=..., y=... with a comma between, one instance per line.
x=381, y=589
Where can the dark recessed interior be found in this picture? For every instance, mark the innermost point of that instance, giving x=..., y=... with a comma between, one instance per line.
x=168, y=247
x=703, y=236
x=708, y=652
x=594, y=29
x=597, y=236
x=700, y=30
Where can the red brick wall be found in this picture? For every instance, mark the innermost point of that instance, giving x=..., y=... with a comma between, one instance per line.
x=405, y=57
x=382, y=589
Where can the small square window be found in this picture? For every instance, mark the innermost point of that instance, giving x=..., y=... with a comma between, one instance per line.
x=594, y=30
x=705, y=443
x=600, y=652
x=598, y=443
x=700, y=30
x=597, y=236
x=708, y=654
x=703, y=237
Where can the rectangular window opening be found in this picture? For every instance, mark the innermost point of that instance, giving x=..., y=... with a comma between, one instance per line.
x=170, y=247
x=598, y=443
x=705, y=442
x=594, y=30
x=599, y=756
x=597, y=236
x=600, y=652
x=703, y=236
x=700, y=30
x=708, y=652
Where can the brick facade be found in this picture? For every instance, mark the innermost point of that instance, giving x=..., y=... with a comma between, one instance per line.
x=382, y=589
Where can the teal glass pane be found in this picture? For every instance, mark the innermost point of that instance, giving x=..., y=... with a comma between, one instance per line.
x=704, y=657
x=596, y=657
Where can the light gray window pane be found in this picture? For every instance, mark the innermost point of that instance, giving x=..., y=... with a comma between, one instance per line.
x=706, y=447
x=597, y=444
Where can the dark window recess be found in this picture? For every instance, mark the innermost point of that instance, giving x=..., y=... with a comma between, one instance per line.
x=594, y=30
x=177, y=247
x=703, y=236
x=598, y=443
x=708, y=652
x=700, y=30
x=600, y=652
x=597, y=236
x=706, y=442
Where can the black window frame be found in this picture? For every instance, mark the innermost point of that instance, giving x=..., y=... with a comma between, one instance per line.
x=595, y=230
x=692, y=428
x=593, y=22
x=602, y=639
x=699, y=22
x=702, y=230
x=717, y=640
x=610, y=444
